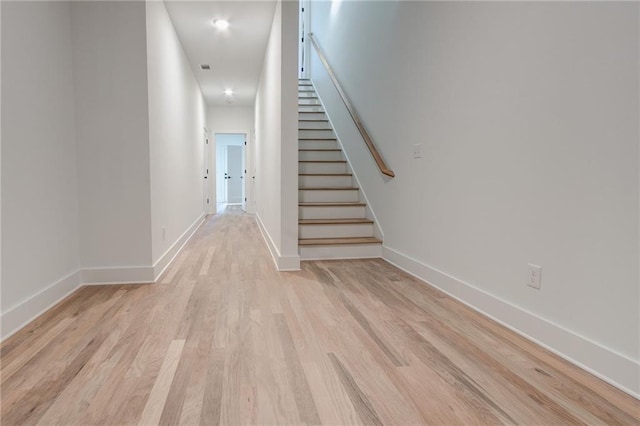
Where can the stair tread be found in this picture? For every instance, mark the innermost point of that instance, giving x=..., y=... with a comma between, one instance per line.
x=319, y=149
x=332, y=204
x=328, y=188
x=317, y=139
x=338, y=241
x=313, y=120
x=334, y=221
x=325, y=174
x=322, y=161
x=310, y=112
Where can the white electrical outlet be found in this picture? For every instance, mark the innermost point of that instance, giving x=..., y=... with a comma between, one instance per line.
x=417, y=150
x=164, y=233
x=534, y=276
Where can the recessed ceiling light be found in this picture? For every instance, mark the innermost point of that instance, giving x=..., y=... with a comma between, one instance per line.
x=228, y=92
x=221, y=24
x=205, y=67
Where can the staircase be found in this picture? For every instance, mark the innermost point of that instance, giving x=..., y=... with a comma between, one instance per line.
x=333, y=222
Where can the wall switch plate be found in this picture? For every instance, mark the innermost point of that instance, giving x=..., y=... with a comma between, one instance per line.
x=417, y=150
x=534, y=276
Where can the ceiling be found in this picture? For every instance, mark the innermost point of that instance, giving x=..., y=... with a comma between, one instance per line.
x=235, y=54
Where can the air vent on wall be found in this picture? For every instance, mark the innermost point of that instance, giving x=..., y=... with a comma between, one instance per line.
x=205, y=67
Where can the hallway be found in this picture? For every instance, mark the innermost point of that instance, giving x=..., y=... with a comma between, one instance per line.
x=224, y=338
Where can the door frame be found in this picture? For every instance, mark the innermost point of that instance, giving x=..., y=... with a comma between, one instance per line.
x=249, y=164
x=208, y=200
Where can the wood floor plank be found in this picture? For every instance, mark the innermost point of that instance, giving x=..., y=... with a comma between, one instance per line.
x=295, y=373
x=363, y=406
x=157, y=399
x=224, y=338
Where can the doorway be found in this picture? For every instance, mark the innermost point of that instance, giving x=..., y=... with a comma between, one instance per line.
x=230, y=169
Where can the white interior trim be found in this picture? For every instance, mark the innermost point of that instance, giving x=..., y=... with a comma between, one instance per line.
x=604, y=363
x=165, y=260
x=22, y=313
x=117, y=275
x=283, y=263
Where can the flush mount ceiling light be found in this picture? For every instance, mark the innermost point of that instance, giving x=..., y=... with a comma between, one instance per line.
x=228, y=92
x=221, y=24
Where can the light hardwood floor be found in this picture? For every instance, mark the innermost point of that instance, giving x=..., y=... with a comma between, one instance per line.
x=224, y=338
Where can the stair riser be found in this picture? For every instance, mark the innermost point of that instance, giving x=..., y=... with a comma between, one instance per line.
x=304, y=101
x=339, y=212
x=335, y=231
x=305, y=168
x=316, y=134
x=314, y=125
x=361, y=251
x=307, y=95
x=317, y=144
x=320, y=155
x=324, y=181
x=313, y=116
x=328, y=196
x=310, y=108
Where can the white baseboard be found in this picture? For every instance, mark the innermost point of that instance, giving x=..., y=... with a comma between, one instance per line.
x=610, y=366
x=118, y=275
x=165, y=260
x=289, y=263
x=283, y=263
x=22, y=313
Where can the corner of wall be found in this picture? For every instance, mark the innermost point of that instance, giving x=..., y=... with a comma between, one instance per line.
x=19, y=315
x=282, y=263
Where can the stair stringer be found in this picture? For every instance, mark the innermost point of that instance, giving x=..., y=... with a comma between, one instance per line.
x=369, y=213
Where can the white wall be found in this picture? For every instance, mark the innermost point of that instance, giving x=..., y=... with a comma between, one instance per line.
x=39, y=174
x=230, y=119
x=276, y=138
x=112, y=122
x=177, y=120
x=528, y=116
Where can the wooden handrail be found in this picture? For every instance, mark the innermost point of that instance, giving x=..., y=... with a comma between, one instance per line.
x=354, y=115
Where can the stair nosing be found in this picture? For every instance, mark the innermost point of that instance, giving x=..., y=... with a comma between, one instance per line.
x=325, y=174
x=332, y=204
x=329, y=188
x=344, y=221
x=338, y=241
x=321, y=150
x=322, y=161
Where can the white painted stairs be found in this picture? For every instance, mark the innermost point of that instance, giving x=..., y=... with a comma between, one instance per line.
x=333, y=222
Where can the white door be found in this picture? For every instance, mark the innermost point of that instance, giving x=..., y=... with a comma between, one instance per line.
x=235, y=175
